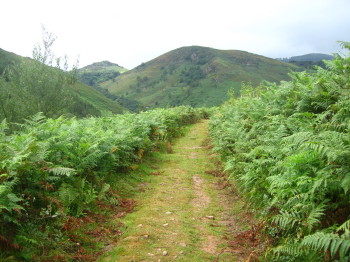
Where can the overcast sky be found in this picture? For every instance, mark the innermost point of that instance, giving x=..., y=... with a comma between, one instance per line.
x=130, y=32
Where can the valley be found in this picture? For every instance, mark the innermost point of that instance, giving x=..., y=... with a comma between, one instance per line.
x=195, y=76
x=197, y=155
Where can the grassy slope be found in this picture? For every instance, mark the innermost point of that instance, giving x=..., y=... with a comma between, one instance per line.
x=97, y=99
x=159, y=80
x=86, y=93
x=171, y=214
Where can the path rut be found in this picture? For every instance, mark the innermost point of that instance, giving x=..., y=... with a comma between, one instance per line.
x=183, y=215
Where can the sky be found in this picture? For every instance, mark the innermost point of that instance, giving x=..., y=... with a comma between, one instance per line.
x=131, y=32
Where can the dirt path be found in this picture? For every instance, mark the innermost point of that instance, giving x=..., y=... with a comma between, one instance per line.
x=187, y=212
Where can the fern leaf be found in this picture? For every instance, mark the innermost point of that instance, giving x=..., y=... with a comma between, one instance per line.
x=328, y=242
x=344, y=248
x=62, y=171
x=288, y=219
x=291, y=249
x=345, y=226
x=345, y=183
x=315, y=215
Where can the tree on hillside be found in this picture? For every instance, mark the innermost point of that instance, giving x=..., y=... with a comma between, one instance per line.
x=192, y=75
x=36, y=85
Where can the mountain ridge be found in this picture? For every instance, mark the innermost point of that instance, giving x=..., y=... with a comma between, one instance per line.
x=196, y=76
x=308, y=61
x=312, y=57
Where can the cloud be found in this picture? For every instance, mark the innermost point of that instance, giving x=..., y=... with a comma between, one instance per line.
x=134, y=31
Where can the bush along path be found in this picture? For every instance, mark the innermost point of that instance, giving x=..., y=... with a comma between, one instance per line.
x=288, y=148
x=188, y=211
x=62, y=179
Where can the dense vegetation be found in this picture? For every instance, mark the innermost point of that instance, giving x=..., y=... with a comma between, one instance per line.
x=93, y=79
x=7, y=59
x=55, y=169
x=288, y=149
x=195, y=76
x=42, y=84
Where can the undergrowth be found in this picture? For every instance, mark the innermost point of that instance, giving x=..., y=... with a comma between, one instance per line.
x=58, y=174
x=288, y=148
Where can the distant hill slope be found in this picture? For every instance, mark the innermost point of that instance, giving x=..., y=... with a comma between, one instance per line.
x=99, y=72
x=314, y=57
x=99, y=101
x=196, y=76
x=85, y=101
x=308, y=61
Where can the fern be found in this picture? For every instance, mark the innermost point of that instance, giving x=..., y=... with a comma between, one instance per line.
x=62, y=171
x=3, y=129
x=105, y=188
x=345, y=226
x=8, y=200
x=34, y=120
x=7, y=258
x=293, y=250
x=288, y=220
x=314, y=216
x=62, y=166
x=288, y=147
x=329, y=242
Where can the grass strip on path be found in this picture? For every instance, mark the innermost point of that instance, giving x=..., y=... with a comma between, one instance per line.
x=186, y=213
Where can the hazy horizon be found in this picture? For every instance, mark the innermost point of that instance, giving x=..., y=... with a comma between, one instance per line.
x=131, y=32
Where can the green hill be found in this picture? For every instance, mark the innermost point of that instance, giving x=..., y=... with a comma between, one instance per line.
x=103, y=66
x=196, y=76
x=314, y=57
x=81, y=100
x=99, y=72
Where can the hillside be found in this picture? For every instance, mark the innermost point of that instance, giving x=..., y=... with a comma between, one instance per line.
x=7, y=58
x=314, y=57
x=308, y=61
x=81, y=100
x=99, y=101
x=196, y=76
x=99, y=72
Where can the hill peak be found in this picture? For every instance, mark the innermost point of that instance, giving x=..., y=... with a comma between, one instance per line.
x=196, y=76
x=103, y=65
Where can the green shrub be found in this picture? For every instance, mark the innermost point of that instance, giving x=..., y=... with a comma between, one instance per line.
x=51, y=169
x=288, y=148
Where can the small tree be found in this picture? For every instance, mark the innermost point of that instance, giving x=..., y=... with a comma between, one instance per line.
x=41, y=84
